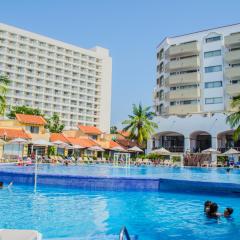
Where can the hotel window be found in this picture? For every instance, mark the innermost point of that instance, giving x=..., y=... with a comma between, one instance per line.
x=215, y=100
x=32, y=129
x=187, y=102
x=217, y=68
x=213, y=39
x=212, y=53
x=213, y=84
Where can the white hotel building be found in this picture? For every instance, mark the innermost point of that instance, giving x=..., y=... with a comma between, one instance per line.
x=198, y=74
x=57, y=77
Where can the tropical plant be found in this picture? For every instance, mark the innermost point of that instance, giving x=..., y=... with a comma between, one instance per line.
x=140, y=124
x=54, y=124
x=4, y=83
x=24, y=110
x=234, y=118
x=113, y=130
x=52, y=151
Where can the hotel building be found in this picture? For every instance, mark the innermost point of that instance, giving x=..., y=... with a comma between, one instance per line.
x=198, y=75
x=57, y=77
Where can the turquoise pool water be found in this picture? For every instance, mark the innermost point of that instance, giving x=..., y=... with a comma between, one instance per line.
x=187, y=173
x=59, y=212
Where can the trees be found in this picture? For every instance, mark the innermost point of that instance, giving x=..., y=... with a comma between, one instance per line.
x=4, y=83
x=113, y=130
x=23, y=110
x=54, y=124
x=234, y=118
x=140, y=124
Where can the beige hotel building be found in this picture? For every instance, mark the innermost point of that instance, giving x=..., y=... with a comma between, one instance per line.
x=57, y=77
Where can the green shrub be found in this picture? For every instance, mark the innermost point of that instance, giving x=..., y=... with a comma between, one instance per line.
x=52, y=151
x=176, y=159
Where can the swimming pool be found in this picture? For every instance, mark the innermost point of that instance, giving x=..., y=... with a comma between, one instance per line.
x=181, y=173
x=88, y=215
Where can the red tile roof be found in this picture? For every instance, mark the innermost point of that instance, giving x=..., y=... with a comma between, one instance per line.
x=124, y=133
x=84, y=142
x=11, y=133
x=30, y=119
x=89, y=129
x=58, y=137
x=113, y=144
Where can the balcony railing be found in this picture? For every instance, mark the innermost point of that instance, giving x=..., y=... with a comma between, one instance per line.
x=185, y=63
x=183, y=109
x=183, y=78
x=189, y=93
x=233, y=89
x=183, y=49
x=232, y=40
x=232, y=73
x=233, y=56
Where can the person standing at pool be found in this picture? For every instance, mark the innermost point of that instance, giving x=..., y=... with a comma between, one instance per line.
x=213, y=211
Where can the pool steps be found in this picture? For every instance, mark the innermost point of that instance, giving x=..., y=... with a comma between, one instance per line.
x=122, y=183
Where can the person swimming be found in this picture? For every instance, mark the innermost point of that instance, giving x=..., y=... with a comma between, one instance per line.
x=207, y=206
x=228, y=212
x=213, y=211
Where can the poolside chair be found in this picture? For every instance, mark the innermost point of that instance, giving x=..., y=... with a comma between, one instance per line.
x=205, y=164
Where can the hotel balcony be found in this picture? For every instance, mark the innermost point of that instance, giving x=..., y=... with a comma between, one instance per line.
x=183, y=109
x=183, y=49
x=186, y=63
x=183, y=78
x=229, y=107
x=232, y=40
x=232, y=57
x=191, y=93
x=233, y=89
x=232, y=73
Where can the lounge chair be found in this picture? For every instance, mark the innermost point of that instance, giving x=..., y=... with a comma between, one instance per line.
x=12, y=234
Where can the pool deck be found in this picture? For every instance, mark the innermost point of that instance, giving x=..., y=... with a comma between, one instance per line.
x=122, y=183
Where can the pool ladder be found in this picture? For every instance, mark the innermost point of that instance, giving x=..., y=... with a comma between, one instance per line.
x=124, y=234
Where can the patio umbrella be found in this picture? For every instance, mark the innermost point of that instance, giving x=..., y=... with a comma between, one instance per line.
x=231, y=152
x=161, y=151
x=96, y=148
x=19, y=141
x=135, y=149
x=41, y=142
x=118, y=149
x=75, y=147
x=60, y=143
x=210, y=151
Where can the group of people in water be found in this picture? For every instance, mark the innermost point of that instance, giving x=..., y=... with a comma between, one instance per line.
x=211, y=210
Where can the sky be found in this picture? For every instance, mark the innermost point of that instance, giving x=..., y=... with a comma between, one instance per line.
x=130, y=29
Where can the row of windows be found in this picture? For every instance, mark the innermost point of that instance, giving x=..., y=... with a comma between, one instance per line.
x=212, y=53
x=215, y=100
x=184, y=102
x=211, y=69
x=213, y=39
x=36, y=42
x=213, y=84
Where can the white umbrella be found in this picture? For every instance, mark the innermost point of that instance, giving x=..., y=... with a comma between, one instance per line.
x=59, y=143
x=41, y=142
x=18, y=140
x=118, y=149
x=161, y=151
x=135, y=149
x=76, y=147
x=96, y=148
x=210, y=151
x=231, y=151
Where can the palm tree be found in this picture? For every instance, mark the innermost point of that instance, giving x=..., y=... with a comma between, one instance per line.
x=54, y=124
x=140, y=124
x=4, y=83
x=234, y=118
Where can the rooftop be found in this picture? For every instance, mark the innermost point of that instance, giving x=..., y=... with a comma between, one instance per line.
x=31, y=119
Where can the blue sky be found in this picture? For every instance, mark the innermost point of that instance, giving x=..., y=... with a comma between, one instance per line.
x=131, y=29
